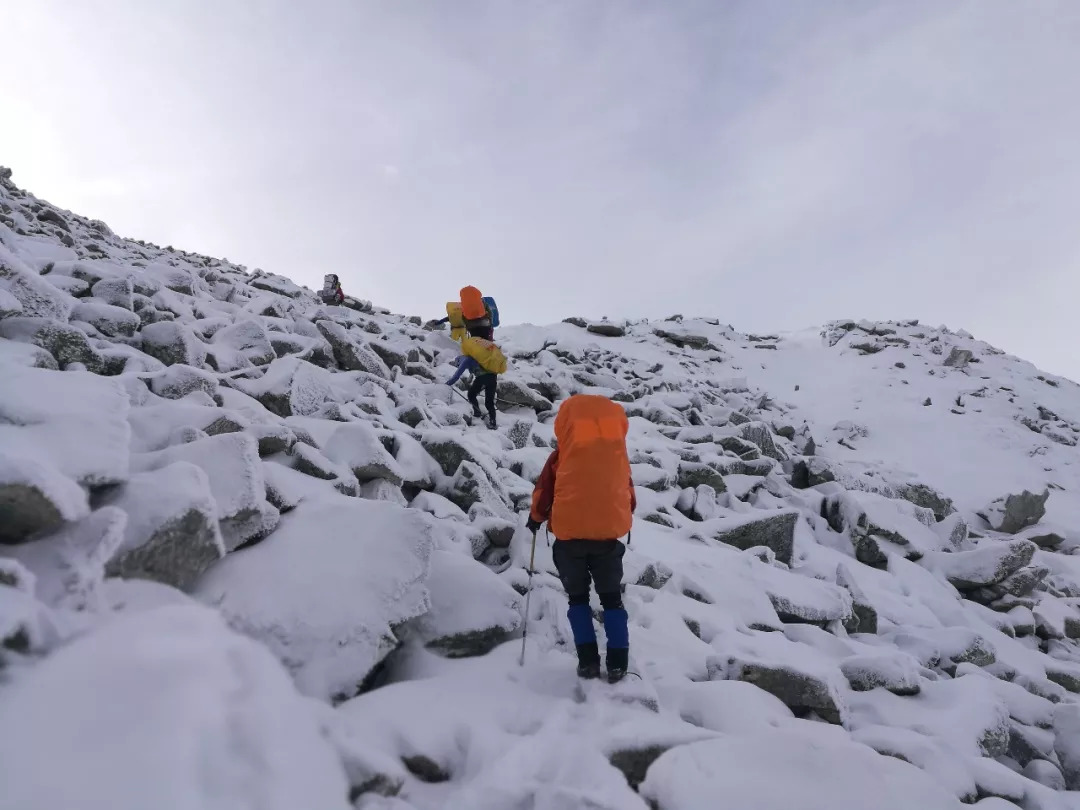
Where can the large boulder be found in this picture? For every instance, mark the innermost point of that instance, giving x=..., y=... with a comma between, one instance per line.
x=171, y=342
x=369, y=561
x=775, y=531
x=513, y=394
x=172, y=534
x=242, y=344
x=209, y=719
x=472, y=610
x=694, y=474
x=118, y=292
x=177, y=381
x=895, y=671
x=606, y=329
x=290, y=386
x=447, y=450
x=1014, y=513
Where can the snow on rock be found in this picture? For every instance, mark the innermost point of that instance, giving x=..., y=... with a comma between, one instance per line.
x=1014, y=513
x=897, y=672
x=1067, y=742
x=775, y=531
x=172, y=533
x=109, y=320
x=289, y=386
x=64, y=342
x=74, y=422
x=778, y=770
x=171, y=343
x=804, y=688
x=210, y=720
x=69, y=565
x=328, y=589
x=179, y=380
x=36, y=297
x=992, y=562
x=235, y=474
x=241, y=344
x=357, y=447
x=472, y=610
x=35, y=498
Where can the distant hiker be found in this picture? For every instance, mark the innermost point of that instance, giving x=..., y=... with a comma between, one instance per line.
x=486, y=360
x=478, y=311
x=586, y=494
x=331, y=292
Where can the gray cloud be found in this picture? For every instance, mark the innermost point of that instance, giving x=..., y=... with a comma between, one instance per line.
x=771, y=163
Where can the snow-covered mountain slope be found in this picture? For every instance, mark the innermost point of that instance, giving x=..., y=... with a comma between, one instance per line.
x=254, y=553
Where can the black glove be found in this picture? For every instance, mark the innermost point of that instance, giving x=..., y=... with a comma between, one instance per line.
x=533, y=525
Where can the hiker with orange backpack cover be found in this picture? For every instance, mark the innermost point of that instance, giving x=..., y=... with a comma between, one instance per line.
x=586, y=495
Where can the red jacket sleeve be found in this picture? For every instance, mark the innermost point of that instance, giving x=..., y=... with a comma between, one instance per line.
x=633, y=497
x=544, y=491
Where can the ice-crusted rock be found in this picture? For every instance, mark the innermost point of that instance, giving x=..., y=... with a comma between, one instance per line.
x=290, y=386
x=172, y=533
x=864, y=617
x=896, y=672
x=809, y=472
x=63, y=341
x=332, y=636
x=1014, y=513
x=179, y=668
x=471, y=485
x=172, y=343
x=458, y=627
x=694, y=474
x=513, y=394
x=606, y=329
x=447, y=450
x=118, y=292
x=242, y=344
x=959, y=358
x=775, y=531
x=357, y=447
x=9, y=304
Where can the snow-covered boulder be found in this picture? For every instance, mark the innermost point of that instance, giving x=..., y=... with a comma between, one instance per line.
x=992, y=562
x=69, y=565
x=513, y=394
x=234, y=471
x=351, y=352
x=1014, y=513
x=778, y=770
x=210, y=719
x=357, y=447
x=37, y=298
x=760, y=434
x=802, y=689
x=179, y=380
x=35, y=498
x=328, y=590
x=897, y=672
x=67, y=344
x=472, y=610
x=241, y=344
x=118, y=292
x=74, y=423
x=172, y=533
x=775, y=531
x=109, y=320
x=171, y=342
x=289, y=386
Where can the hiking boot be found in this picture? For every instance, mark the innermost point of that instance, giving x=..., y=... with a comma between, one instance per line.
x=588, y=661
x=618, y=660
x=477, y=412
x=491, y=421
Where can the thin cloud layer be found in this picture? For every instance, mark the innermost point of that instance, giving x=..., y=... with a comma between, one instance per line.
x=769, y=163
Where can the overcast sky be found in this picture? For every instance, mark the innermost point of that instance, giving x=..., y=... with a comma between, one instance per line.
x=773, y=163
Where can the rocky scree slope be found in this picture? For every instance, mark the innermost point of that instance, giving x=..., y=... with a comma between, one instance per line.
x=237, y=522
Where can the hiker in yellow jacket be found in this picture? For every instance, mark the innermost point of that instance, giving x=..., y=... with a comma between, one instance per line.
x=486, y=360
x=456, y=321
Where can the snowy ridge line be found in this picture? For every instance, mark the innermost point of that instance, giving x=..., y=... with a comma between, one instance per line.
x=854, y=554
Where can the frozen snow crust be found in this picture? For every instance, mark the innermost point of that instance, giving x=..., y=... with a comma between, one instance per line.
x=253, y=553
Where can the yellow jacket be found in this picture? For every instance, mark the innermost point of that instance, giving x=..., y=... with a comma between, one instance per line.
x=486, y=353
x=457, y=320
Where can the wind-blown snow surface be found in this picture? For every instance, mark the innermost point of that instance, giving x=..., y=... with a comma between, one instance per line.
x=253, y=553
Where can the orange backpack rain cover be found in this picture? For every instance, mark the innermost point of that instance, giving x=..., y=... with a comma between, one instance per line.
x=592, y=484
x=472, y=304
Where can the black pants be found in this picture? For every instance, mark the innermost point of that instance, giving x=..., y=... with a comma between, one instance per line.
x=580, y=562
x=487, y=383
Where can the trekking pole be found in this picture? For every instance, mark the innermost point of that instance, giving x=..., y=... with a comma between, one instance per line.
x=528, y=596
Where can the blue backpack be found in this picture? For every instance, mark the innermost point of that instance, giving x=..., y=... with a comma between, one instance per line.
x=493, y=310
